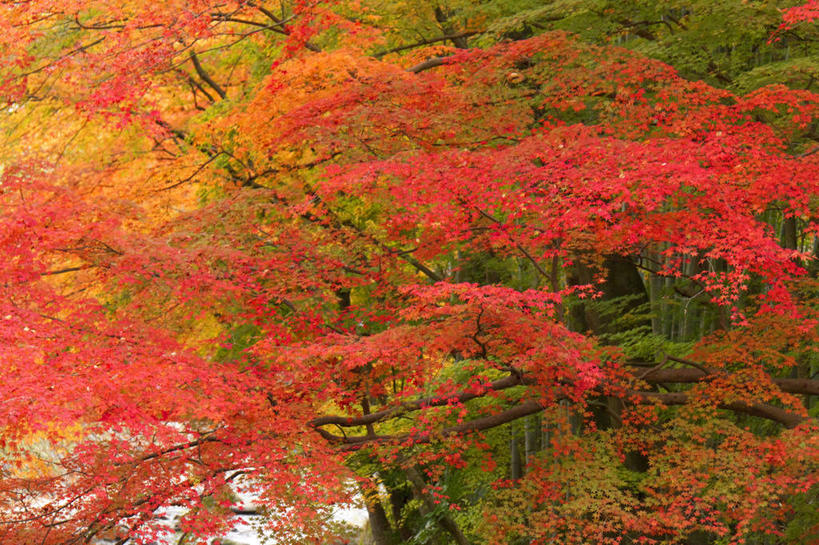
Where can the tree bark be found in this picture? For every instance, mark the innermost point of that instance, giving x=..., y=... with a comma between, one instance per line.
x=380, y=527
x=445, y=521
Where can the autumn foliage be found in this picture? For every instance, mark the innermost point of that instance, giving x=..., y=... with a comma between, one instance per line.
x=514, y=284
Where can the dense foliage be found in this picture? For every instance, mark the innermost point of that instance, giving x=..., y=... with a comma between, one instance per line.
x=508, y=271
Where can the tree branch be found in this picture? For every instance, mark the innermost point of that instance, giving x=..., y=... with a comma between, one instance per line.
x=355, y=442
x=411, y=406
x=685, y=376
x=426, y=42
x=427, y=64
x=206, y=77
x=282, y=23
x=762, y=410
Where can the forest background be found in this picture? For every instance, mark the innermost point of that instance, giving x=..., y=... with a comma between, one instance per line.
x=507, y=271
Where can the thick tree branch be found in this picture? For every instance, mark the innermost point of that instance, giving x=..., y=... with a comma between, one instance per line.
x=685, y=376
x=411, y=406
x=427, y=64
x=426, y=42
x=206, y=77
x=478, y=424
x=762, y=410
x=67, y=270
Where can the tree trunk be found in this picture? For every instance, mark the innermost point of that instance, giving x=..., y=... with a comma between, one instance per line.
x=445, y=521
x=380, y=527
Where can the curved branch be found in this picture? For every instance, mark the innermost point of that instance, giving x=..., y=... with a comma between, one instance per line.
x=356, y=442
x=762, y=410
x=802, y=386
x=427, y=64
x=427, y=42
x=416, y=405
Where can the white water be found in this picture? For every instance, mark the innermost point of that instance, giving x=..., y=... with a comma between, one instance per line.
x=248, y=530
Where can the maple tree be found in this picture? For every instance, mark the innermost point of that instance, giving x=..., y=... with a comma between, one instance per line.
x=505, y=282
